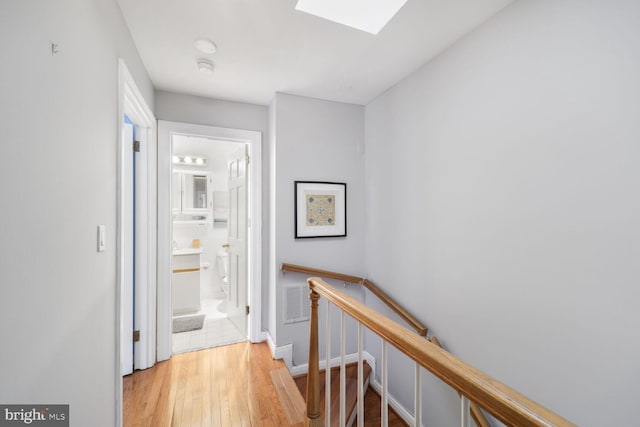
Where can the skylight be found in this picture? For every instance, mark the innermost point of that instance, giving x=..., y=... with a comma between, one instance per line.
x=366, y=15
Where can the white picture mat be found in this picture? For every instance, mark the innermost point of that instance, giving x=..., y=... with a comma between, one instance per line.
x=338, y=191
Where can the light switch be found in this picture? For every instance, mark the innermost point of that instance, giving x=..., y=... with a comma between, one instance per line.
x=101, y=238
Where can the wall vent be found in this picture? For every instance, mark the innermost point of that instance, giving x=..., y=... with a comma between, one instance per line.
x=297, y=306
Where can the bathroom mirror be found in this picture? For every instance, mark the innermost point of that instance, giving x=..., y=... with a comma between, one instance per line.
x=195, y=192
x=190, y=195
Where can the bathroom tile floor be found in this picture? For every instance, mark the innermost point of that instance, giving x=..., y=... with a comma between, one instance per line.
x=217, y=330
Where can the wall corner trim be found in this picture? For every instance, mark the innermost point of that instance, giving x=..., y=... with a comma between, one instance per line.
x=284, y=352
x=335, y=361
x=393, y=402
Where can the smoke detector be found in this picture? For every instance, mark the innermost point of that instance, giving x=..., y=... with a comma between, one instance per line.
x=205, y=67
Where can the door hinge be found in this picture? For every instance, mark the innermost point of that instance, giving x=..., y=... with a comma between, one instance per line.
x=136, y=336
x=247, y=310
x=136, y=146
x=248, y=159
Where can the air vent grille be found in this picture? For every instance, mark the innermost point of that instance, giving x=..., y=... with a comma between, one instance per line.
x=297, y=304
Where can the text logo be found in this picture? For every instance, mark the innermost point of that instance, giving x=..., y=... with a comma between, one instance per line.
x=34, y=415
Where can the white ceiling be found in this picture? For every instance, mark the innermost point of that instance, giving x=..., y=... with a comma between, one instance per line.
x=266, y=46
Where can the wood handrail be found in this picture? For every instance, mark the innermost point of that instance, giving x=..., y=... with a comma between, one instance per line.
x=504, y=403
x=321, y=273
x=476, y=412
x=390, y=302
x=415, y=323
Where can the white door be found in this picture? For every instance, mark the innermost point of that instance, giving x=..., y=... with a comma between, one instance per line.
x=126, y=253
x=237, y=240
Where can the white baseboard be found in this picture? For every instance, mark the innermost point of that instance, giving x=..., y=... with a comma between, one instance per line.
x=397, y=406
x=335, y=361
x=284, y=352
x=261, y=337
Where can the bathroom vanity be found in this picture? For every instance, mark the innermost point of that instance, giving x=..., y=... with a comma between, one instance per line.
x=185, y=281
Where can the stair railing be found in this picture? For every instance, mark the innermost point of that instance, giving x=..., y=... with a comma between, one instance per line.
x=421, y=329
x=390, y=302
x=504, y=403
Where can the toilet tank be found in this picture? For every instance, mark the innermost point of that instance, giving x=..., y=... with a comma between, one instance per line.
x=222, y=263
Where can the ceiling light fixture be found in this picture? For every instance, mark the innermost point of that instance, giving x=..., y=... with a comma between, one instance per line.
x=205, y=66
x=190, y=160
x=366, y=15
x=205, y=46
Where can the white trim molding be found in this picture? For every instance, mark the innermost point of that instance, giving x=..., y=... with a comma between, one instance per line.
x=254, y=141
x=132, y=103
x=335, y=361
x=393, y=402
x=284, y=352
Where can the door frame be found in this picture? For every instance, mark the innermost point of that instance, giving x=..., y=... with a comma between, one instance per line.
x=166, y=129
x=132, y=103
x=127, y=252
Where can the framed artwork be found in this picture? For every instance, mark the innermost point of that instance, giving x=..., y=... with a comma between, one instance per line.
x=321, y=209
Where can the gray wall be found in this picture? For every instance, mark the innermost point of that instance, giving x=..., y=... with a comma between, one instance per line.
x=314, y=140
x=59, y=130
x=502, y=204
x=212, y=112
x=236, y=115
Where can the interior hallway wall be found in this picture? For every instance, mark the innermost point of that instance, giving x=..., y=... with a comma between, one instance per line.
x=227, y=114
x=502, y=206
x=59, y=150
x=314, y=140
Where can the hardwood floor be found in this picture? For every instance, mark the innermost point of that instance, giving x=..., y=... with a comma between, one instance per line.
x=235, y=385
x=223, y=386
x=372, y=404
x=372, y=401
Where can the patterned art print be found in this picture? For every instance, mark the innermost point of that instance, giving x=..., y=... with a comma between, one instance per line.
x=321, y=210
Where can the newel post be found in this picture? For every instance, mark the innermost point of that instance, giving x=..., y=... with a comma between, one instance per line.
x=313, y=374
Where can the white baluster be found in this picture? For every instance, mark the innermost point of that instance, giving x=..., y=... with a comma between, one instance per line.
x=465, y=413
x=327, y=371
x=385, y=401
x=343, y=374
x=360, y=379
x=418, y=402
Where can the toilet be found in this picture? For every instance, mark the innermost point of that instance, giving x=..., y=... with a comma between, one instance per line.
x=222, y=266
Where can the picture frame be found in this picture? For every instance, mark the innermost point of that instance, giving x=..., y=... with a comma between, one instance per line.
x=320, y=209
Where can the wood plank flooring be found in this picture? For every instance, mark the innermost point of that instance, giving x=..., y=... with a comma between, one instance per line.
x=372, y=401
x=372, y=417
x=291, y=400
x=223, y=386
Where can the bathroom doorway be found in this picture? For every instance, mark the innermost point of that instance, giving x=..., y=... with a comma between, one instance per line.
x=209, y=237
x=209, y=268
